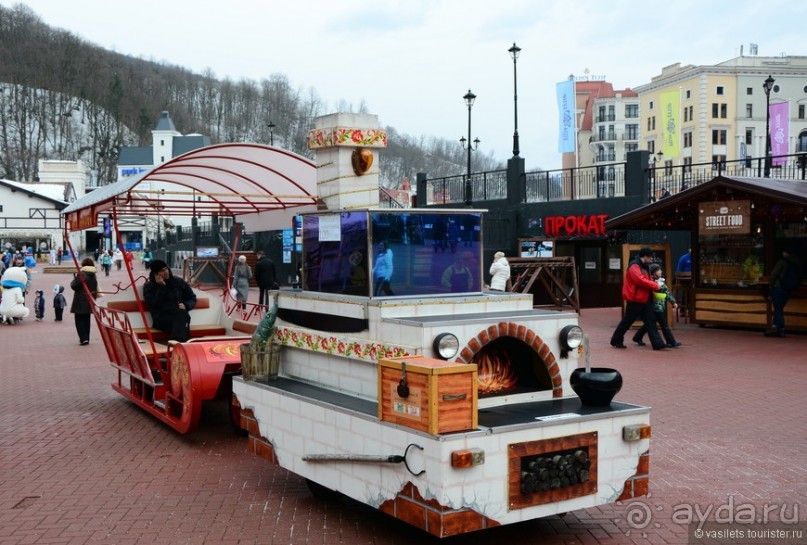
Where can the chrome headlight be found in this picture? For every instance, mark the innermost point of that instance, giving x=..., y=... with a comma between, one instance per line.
x=570, y=338
x=446, y=345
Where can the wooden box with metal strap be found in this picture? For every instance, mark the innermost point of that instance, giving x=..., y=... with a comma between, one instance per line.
x=428, y=394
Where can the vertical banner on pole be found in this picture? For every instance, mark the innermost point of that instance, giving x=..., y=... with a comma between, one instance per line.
x=566, y=123
x=670, y=126
x=779, y=113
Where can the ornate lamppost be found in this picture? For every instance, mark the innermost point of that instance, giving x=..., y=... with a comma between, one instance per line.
x=271, y=126
x=469, y=101
x=514, y=51
x=767, y=86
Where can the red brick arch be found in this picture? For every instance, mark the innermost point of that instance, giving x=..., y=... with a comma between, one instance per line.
x=527, y=336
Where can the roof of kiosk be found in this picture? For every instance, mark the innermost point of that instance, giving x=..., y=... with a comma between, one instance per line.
x=673, y=212
x=225, y=179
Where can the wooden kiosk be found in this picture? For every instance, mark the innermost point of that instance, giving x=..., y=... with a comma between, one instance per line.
x=739, y=227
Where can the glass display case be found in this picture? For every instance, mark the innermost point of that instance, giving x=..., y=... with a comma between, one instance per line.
x=731, y=260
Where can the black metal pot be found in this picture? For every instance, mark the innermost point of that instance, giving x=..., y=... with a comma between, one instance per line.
x=597, y=387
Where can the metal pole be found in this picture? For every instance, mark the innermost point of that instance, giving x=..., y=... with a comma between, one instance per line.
x=767, y=85
x=468, y=175
x=514, y=51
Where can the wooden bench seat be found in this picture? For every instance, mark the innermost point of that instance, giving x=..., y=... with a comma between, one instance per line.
x=197, y=330
x=244, y=326
x=130, y=305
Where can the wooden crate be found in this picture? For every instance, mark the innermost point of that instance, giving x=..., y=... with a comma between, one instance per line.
x=442, y=395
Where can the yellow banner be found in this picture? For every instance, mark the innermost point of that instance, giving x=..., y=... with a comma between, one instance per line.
x=670, y=129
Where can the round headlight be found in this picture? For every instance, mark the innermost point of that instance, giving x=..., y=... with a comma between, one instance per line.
x=571, y=336
x=446, y=345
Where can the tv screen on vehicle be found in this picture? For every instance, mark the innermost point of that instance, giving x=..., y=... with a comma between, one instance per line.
x=387, y=254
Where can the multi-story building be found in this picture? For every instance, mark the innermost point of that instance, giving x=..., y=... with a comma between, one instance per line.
x=607, y=127
x=712, y=114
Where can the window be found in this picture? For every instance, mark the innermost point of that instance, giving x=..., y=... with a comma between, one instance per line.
x=719, y=137
x=611, y=113
x=718, y=161
x=749, y=136
x=649, y=123
x=688, y=93
x=724, y=111
x=715, y=110
x=631, y=110
x=749, y=90
x=691, y=113
x=686, y=115
x=749, y=111
x=601, y=135
x=631, y=132
x=651, y=147
x=162, y=158
x=601, y=114
x=801, y=111
x=688, y=139
x=650, y=105
x=162, y=142
x=687, y=164
x=720, y=110
x=631, y=147
x=719, y=90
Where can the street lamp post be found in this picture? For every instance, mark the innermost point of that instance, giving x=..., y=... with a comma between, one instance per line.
x=271, y=126
x=469, y=100
x=514, y=51
x=767, y=86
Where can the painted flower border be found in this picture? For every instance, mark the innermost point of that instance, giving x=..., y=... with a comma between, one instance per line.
x=339, y=136
x=368, y=351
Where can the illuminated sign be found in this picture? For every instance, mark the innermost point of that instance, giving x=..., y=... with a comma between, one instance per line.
x=575, y=226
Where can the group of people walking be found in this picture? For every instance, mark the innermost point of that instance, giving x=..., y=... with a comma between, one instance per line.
x=646, y=295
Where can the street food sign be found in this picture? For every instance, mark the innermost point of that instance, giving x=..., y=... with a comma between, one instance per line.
x=724, y=218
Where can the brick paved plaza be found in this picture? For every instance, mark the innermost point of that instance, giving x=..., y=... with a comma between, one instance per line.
x=80, y=464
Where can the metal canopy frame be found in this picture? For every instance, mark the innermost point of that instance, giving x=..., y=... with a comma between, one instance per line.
x=224, y=179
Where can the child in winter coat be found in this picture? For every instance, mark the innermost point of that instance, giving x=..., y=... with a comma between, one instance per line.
x=59, y=302
x=660, y=298
x=39, y=305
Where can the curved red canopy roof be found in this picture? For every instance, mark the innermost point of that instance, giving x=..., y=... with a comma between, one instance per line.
x=224, y=179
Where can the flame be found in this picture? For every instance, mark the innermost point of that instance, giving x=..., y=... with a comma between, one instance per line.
x=495, y=373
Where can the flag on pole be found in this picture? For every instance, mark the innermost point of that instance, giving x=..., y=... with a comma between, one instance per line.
x=566, y=124
x=780, y=113
x=669, y=123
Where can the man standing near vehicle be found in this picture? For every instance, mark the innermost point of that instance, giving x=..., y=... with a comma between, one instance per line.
x=265, y=277
x=637, y=290
x=170, y=300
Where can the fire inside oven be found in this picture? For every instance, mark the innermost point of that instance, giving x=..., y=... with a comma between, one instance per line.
x=507, y=365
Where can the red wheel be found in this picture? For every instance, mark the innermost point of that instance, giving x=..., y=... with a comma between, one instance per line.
x=184, y=401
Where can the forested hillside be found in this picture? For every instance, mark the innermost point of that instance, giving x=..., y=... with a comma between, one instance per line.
x=64, y=98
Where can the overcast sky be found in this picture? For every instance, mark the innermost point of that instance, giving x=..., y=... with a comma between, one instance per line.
x=411, y=61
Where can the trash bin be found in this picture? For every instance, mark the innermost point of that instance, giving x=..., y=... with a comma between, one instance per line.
x=261, y=365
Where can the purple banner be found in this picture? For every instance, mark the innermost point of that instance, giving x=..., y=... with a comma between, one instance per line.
x=779, y=134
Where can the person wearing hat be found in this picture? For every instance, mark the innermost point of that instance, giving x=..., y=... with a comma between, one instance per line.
x=170, y=299
x=661, y=297
x=637, y=290
x=241, y=275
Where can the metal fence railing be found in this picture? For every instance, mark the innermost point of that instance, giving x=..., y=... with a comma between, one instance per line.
x=604, y=181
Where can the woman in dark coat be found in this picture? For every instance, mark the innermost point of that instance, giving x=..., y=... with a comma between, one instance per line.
x=81, y=307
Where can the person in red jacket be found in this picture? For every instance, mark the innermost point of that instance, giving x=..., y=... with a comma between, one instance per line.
x=637, y=291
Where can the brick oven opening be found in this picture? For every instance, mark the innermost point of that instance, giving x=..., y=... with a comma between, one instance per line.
x=507, y=365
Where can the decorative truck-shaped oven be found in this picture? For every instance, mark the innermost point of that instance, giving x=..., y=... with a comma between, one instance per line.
x=406, y=385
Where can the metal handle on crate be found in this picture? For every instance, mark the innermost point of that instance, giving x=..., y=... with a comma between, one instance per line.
x=454, y=397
